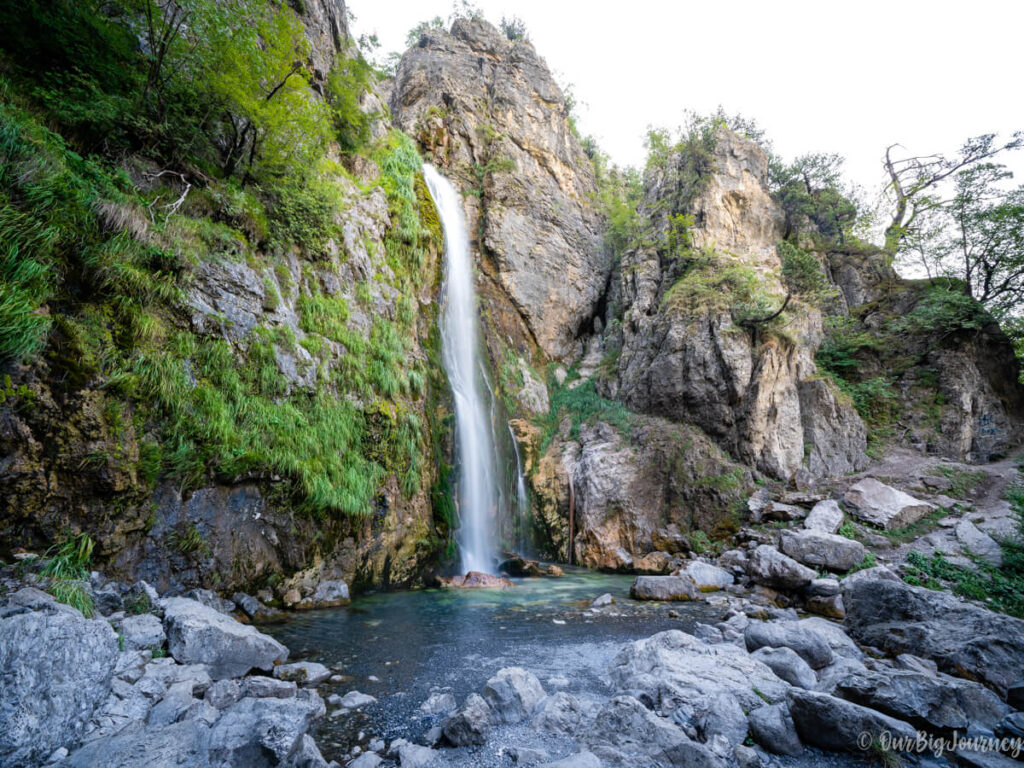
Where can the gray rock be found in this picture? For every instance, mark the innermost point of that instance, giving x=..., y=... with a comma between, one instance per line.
x=807, y=642
x=825, y=517
x=416, y=756
x=55, y=670
x=885, y=507
x=963, y=639
x=307, y=755
x=142, y=631
x=254, y=608
x=823, y=588
x=826, y=722
x=558, y=713
x=833, y=634
x=870, y=574
x=276, y=725
x=366, y=760
x=210, y=599
x=772, y=728
x=161, y=674
x=746, y=757
x=329, y=593
x=306, y=673
x=602, y=600
x=770, y=568
x=926, y=701
x=788, y=665
x=223, y=693
x=197, y=633
x=260, y=687
x=470, y=725
x=355, y=700
x=831, y=606
x=979, y=543
x=172, y=706
x=579, y=760
x=170, y=746
x=527, y=755
x=513, y=694
x=777, y=510
x=673, y=588
x=438, y=703
x=706, y=576
x=913, y=663
x=822, y=550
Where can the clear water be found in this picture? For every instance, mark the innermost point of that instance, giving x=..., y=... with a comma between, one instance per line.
x=477, y=497
x=421, y=641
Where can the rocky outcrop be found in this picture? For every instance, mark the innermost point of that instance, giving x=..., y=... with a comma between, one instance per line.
x=488, y=111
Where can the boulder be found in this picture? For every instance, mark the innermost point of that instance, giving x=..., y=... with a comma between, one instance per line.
x=825, y=517
x=416, y=756
x=770, y=568
x=210, y=599
x=513, y=694
x=777, y=510
x=579, y=760
x=602, y=600
x=199, y=634
x=141, y=632
x=772, y=728
x=275, y=725
x=438, y=704
x=255, y=609
x=978, y=543
x=470, y=725
x=664, y=588
x=559, y=713
x=356, y=700
x=223, y=693
x=809, y=644
x=305, y=673
x=830, y=606
x=328, y=594
x=787, y=664
x=822, y=550
x=653, y=563
x=870, y=574
x=706, y=576
x=55, y=670
x=260, y=687
x=670, y=539
x=476, y=580
x=884, y=506
x=963, y=639
x=837, y=725
x=926, y=701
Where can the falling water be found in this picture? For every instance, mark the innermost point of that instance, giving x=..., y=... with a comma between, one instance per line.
x=477, y=495
x=522, y=502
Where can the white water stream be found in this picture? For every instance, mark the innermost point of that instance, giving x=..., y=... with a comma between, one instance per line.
x=477, y=496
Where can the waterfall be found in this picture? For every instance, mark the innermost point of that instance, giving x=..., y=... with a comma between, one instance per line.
x=477, y=495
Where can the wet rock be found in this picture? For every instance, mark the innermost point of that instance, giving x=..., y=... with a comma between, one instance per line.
x=438, y=703
x=787, y=664
x=979, y=543
x=884, y=506
x=676, y=588
x=142, y=631
x=476, y=580
x=305, y=673
x=926, y=701
x=822, y=550
x=706, y=576
x=769, y=567
x=808, y=643
x=55, y=670
x=602, y=600
x=773, y=728
x=513, y=694
x=826, y=722
x=199, y=634
x=963, y=639
x=470, y=725
x=558, y=713
x=825, y=517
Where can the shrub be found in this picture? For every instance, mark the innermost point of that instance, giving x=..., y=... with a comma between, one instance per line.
x=944, y=310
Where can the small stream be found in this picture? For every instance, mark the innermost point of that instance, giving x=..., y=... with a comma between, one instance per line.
x=422, y=641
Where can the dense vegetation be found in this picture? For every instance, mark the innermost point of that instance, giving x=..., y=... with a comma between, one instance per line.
x=125, y=168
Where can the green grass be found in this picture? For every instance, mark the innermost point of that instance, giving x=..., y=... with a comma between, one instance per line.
x=581, y=405
x=67, y=567
x=964, y=482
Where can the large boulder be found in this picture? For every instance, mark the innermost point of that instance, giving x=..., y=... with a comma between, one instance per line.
x=837, y=725
x=884, y=506
x=963, y=639
x=825, y=517
x=276, y=725
x=142, y=631
x=706, y=576
x=513, y=694
x=808, y=643
x=199, y=634
x=664, y=588
x=788, y=665
x=559, y=713
x=771, y=568
x=470, y=725
x=772, y=728
x=822, y=550
x=55, y=670
x=978, y=543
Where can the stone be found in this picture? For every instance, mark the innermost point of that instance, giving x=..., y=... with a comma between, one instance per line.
x=305, y=673
x=559, y=713
x=172, y=706
x=579, y=760
x=822, y=550
x=706, y=576
x=223, y=693
x=141, y=632
x=55, y=670
x=667, y=588
x=366, y=760
x=831, y=606
x=836, y=725
x=470, y=725
x=746, y=757
x=825, y=517
x=884, y=506
x=602, y=600
x=329, y=593
x=805, y=641
x=963, y=639
x=199, y=634
x=771, y=568
x=416, y=756
x=773, y=728
x=913, y=663
x=513, y=694
x=670, y=539
x=260, y=687
x=823, y=587
x=210, y=599
x=526, y=755
x=787, y=664
x=276, y=725
x=979, y=543
x=653, y=563
x=254, y=608
x=1015, y=695
x=306, y=754
x=781, y=512
x=357, y=700
x=438, y=704
x=870, y=574
x=477, y=580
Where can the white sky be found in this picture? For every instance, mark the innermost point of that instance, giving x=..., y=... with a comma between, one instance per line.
x=825, y=76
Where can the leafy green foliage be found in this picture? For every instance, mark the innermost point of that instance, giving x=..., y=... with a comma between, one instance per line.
x=944, y=309
x=811, y=191
x=348, y=80
x=581, y=404
x=304, y=213
x=514, y=28
x=803, y=275
x=67, y=567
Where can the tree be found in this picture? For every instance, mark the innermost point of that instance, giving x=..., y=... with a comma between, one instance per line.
x=811, y=188
x=915, y=183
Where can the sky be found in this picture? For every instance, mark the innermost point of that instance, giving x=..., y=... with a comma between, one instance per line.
x=819, y=76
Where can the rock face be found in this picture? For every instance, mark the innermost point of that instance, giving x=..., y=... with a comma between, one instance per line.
x=879, y=504
x=491, y=115
x=55, y=671
x=198, y=634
